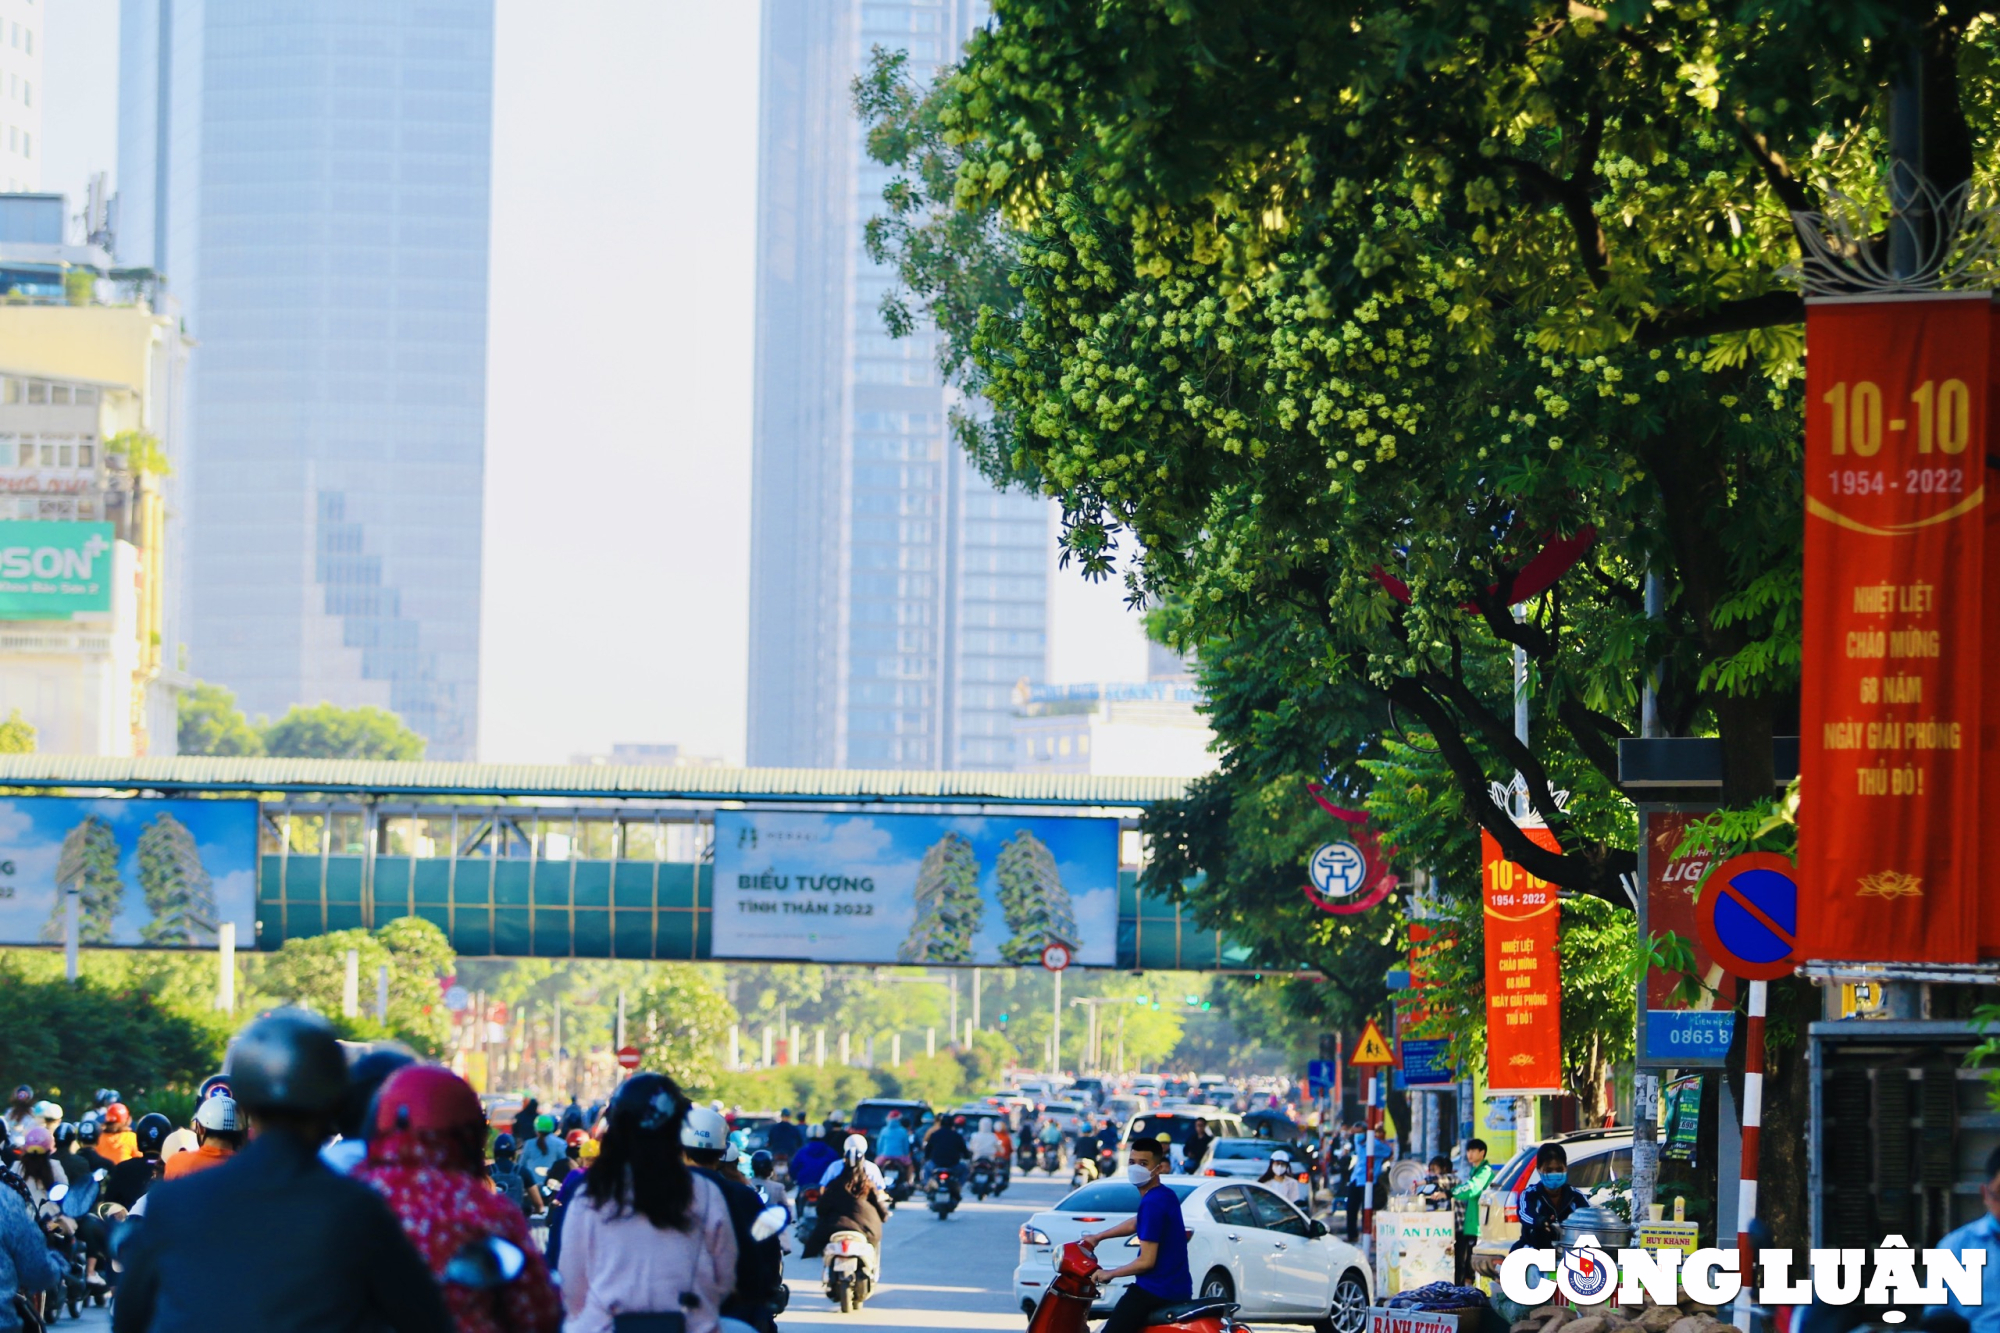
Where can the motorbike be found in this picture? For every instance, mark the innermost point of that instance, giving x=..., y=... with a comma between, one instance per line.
x=1005, y=1166
x=896, y=1178
x=981, y=1179
x=1084, y=1172
x=1025, y=1152
x=943, y=1192
x=847, y=1270
x=808, y=1213
x=1051, y=1157
x=1107, y=1161
x=1065, y=1304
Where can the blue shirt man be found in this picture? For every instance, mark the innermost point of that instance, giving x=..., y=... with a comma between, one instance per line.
x=1983, y=1235
x=1160, y=1274
x=894, y=1140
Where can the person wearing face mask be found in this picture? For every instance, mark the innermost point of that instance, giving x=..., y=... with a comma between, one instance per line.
x=1549, y=1200
x=1160, y=1274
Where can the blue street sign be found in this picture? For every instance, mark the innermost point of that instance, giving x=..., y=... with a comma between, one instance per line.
x=1320, y=1077
x=1426, y=1063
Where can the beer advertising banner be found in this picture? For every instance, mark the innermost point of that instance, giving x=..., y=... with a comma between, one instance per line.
x=1523, y=985
x=1889, y=822
x=1682, y=1024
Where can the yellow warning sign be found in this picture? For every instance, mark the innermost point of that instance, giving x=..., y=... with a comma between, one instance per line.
x=1372, y=1049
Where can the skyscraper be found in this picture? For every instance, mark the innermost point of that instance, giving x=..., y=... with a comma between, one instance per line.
x=896, y=598
x=312, y=182
x=21, y=95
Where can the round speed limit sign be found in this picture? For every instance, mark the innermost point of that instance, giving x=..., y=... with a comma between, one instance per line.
x=1055, y=957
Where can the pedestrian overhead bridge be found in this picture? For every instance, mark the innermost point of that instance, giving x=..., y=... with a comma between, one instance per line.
x=569, y=861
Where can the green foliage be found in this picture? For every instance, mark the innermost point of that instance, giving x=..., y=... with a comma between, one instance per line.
x=68, y=1040
x=141, y=451
x=327, y=732
x=17, y=734
x=211, y=723
x=948, y=904
x=680, y=1020
x=312, y=973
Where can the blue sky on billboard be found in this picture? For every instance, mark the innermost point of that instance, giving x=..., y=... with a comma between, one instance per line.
x=886, y=851
x=219, y=843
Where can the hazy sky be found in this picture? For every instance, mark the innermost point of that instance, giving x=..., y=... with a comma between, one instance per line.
x=619, y=370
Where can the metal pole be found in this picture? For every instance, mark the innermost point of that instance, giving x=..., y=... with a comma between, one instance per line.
x=1649, y=698
x=1753, y=1121
x=621, y=1019
x=1055, y=1037
x=350, y=985
x=954, y=1005
x=1908, y=220
x=382, y=992
x=71, y=926
x=225, y=980
x=975, y=999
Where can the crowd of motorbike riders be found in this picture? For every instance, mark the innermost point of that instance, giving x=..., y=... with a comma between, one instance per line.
x=310, y=1192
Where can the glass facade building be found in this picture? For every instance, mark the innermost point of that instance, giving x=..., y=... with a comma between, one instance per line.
x=312, y=182
x=896, y=597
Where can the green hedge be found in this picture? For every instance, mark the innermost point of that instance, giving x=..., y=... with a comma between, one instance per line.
x=943, y=1080
x=69, y=1040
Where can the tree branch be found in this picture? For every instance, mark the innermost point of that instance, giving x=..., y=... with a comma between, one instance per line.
x=1791, y=191
x=1751, y=312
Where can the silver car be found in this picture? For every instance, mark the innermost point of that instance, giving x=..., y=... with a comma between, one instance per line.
x=1240, y=1157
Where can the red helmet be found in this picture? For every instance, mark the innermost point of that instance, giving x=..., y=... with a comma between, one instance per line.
x=117, y=1117
x=427, y=1097
x=574, y=1137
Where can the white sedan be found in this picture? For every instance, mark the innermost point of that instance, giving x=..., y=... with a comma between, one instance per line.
x=1245, y=1244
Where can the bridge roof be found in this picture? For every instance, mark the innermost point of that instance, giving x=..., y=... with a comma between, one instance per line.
x=390, y=779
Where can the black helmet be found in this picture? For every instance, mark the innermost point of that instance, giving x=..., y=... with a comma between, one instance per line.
x=760, y=1164
x=151, y=1131
x=88, y=1128
x=288, y=1060
x=503, y=1145
x=364, y=1080
x=649, y=1104
x=65, y=1136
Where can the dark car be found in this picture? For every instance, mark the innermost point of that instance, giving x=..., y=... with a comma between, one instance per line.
x=872, y=1114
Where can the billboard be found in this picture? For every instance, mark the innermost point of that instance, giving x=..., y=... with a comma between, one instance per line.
x=1675, y=1033
x=151, y=873
x=944, y=889
x=54, y=571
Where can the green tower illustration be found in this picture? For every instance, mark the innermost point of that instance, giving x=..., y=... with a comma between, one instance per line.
x=948, y=906
x=178, y=890
x=1033, y=897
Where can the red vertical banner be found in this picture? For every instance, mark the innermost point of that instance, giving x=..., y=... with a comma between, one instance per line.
x=1895, y=552
x=1523, y=975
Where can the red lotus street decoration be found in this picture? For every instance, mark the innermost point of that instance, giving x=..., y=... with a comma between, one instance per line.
x=1535, y=578
x=1376, y=876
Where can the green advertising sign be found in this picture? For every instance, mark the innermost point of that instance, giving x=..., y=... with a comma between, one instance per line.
x=54, y=571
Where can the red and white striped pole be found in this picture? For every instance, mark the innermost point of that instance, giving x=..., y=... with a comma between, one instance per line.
x=1753, y=1124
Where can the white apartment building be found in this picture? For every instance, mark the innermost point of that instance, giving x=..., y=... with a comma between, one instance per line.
x=21, y=94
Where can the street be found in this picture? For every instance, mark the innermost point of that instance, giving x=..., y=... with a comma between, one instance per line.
x=954, y=1274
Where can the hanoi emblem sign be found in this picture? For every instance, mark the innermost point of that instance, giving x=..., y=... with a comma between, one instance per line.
x=1338, y=870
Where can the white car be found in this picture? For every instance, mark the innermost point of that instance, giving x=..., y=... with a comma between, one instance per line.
x=1245, y=1244
x=1241, y=1158
x=1070, y=1115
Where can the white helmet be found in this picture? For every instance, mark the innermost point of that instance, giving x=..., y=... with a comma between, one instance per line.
x=854, y=1146
x=1282, y=1156
x=218, y=1115
x=730, y=1154
x=986, y=1125
x=704, y=1130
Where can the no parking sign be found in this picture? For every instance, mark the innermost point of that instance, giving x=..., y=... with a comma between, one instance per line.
x=1749, y=915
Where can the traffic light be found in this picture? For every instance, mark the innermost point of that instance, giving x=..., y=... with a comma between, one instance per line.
x=1142, y=999
x=1329, y=1046
x=1003, y=1020
x=1192, y=999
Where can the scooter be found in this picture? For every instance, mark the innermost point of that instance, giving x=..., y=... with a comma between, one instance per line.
x=943, y=1193
x=847, y=1270
x=896, y=1178
x=981, y=1179
x=1051, y=1157
x=1084, y=1172
x=1107, y=1162
x=1065, y=1304
x=808, y=1213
